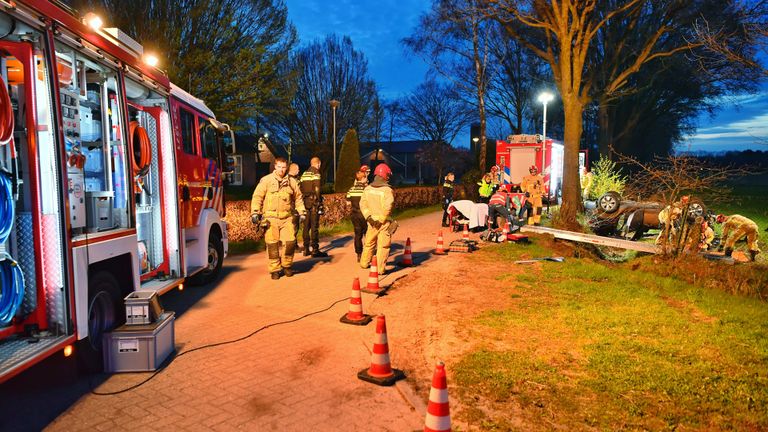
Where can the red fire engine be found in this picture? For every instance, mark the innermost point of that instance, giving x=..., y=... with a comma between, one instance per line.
x=519, y=152
x=111, y=182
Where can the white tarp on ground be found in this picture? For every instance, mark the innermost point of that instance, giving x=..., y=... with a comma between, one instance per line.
x=475, y=212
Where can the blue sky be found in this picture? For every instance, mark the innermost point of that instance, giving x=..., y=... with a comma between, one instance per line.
x=377, y=27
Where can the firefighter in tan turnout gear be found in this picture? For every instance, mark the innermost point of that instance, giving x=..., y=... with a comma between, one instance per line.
x=274, y=201
x=533, y=186
x=376, y=206
x=735, y=228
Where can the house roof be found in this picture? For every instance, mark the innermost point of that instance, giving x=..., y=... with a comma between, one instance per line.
x=412, y=146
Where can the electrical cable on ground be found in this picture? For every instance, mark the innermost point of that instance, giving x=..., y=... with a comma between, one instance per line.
x=215, y=344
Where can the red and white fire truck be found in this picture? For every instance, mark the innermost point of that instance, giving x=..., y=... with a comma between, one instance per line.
x=111, y=182
x=519, y=152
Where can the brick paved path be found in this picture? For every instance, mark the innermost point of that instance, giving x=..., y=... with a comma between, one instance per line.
x=298, y=376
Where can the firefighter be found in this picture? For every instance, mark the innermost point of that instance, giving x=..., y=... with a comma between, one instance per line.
x=447, y=196
x=486, y=188
x=275, y=199
x=313, y=200
x=293, y=172
x=668, y=217
x=500, y=204
x=353, y=200
x=735, y=228
x=533, y=187
x=376, y=207
x=586, y=182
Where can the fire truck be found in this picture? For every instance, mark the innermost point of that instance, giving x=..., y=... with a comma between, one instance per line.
x=519, y=152
x=111, y=182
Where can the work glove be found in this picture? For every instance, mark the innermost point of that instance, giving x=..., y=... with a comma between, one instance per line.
x=302, y=217
x=372, y=222
x=255, y=218
x=321, y=210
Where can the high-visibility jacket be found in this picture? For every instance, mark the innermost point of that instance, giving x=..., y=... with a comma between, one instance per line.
x=310, y=186
x=277, y=197
x=533, y=184
x=499, y=198
x=485, y=189
x=377, y=201
x=354, y=194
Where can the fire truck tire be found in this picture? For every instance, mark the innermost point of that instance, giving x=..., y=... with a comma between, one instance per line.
x=215, y=260
x=105, y=312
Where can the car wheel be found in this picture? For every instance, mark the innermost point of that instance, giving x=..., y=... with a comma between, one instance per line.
x=696, y=208
x=609, y=202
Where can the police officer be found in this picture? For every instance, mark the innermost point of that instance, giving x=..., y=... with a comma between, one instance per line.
x=447, y=196
x=313, y=200
x=376, y=206
x=735, y=228
x=275, y=199
x=354, y=195
x=533, y=186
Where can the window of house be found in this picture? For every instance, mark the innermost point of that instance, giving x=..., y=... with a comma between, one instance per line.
x=237, y=170
x=187, y=130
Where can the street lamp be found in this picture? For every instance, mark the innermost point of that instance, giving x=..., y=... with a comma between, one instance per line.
x=334, y=105
x=545, y=98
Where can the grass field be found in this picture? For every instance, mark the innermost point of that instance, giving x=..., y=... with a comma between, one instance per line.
x=588, y=345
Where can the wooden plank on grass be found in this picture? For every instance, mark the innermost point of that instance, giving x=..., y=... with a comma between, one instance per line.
x=593, y=239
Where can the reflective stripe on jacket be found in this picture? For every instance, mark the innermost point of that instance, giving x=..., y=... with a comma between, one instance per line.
x=377, y=202
x=277, y=197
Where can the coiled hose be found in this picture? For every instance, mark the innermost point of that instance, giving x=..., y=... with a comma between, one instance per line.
x=11, y=276
x=142, y=151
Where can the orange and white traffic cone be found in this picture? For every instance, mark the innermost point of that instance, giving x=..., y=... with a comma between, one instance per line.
x=355, y=316
x=373, y=279
x=438, y=415
x=381, y=372
x=439, y=249
x=465, y=233
x=407, y=259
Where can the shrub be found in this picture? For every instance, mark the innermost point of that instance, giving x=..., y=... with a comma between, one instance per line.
x=606, y=176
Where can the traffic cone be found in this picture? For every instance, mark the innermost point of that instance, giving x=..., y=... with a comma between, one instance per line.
x=439, y=250
x=407, y=259
x=438, y=415
x=381, y=372
x=355, y=316
x=465, y=233
x=373, y=279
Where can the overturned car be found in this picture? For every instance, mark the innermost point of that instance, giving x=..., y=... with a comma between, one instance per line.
x=614, y=216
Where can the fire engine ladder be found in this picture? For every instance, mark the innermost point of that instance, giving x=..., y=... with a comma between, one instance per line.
x=593, y=239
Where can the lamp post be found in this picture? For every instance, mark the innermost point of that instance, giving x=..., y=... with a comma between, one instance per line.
x=334, y=105
x=545, y=98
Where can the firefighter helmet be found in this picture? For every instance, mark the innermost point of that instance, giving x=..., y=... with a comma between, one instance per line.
x=365, y=168
x=494, y=169
x=720, y=218
x=533, y=170
x=382, y=170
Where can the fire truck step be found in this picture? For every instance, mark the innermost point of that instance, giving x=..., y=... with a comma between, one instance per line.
x=14, y=351
x=160, y=286
x=191, y=271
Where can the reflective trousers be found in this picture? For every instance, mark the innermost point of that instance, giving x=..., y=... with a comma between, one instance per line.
x=380, y=240
x=281, y=232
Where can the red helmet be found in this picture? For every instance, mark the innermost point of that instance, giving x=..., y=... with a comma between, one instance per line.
x=382, y=170
x=532, y=169
x=494, y=168
x=365, y=169
x=720, y=218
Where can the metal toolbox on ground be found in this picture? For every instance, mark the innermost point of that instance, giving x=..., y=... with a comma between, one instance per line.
x=463, y=246
x=142, y=307
x=139, y=348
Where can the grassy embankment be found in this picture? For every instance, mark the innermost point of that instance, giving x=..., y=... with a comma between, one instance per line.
x=588, y=344
x=345, y=226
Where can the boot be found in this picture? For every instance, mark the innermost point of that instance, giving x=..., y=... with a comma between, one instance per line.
x=319, y=254
x=753, y=255
x=728, y=252
x=276, y=275
x=288, y=271
x=306, y=250
x=358, y=257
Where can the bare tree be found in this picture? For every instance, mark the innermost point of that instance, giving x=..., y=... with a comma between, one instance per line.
x=562, y=32
x=435, y=112
x=226, y=52
x=453, y=39
x=326, y=70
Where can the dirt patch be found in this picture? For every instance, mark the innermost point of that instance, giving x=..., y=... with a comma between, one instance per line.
x=696, y=314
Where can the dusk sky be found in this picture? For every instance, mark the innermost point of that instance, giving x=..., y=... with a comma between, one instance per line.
x=377, y=27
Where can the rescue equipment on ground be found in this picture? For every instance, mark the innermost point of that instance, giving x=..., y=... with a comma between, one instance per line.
x=381, y=371
x=355, y=316
x=464, y=246
x=533, y=260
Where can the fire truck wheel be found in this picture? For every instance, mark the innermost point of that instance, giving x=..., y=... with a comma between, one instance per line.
x=215, y=259
x=105, y=312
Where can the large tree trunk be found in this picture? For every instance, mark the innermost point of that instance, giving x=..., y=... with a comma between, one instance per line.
x=572, y=204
